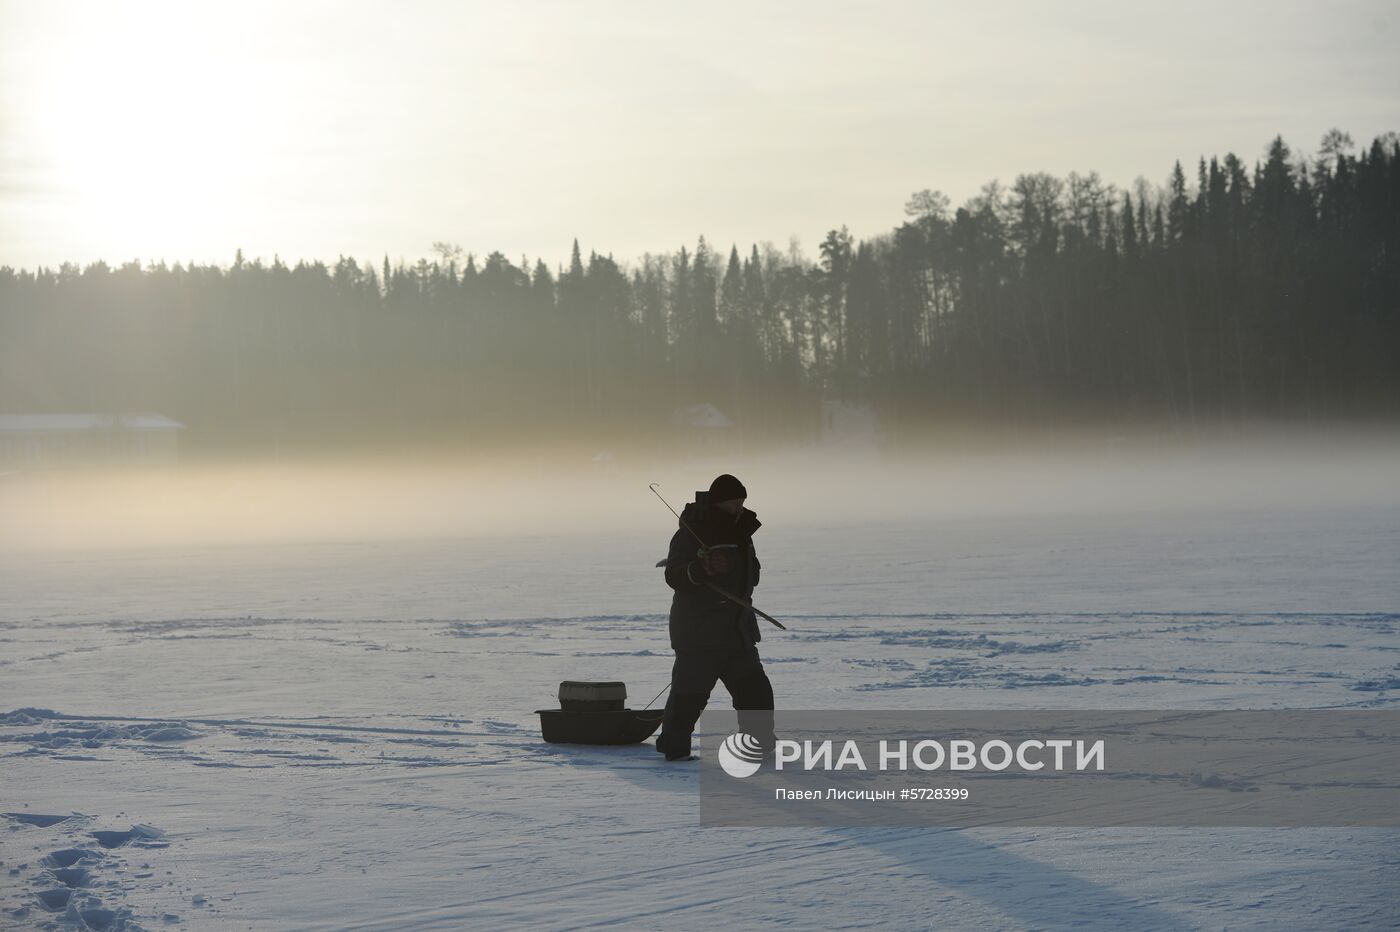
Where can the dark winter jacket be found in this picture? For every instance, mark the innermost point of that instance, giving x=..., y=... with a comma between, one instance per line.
x=701, y=619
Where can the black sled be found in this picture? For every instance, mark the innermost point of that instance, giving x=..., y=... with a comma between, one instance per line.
x=594, y=713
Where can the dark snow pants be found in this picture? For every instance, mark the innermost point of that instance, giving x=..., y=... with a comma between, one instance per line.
x=693, y=677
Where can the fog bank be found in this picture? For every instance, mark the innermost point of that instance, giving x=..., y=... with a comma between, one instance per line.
x=578, y=493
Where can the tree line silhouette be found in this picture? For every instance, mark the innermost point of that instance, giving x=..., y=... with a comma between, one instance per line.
x=1264, y=291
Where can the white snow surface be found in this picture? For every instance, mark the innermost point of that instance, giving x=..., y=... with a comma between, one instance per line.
x=338, y=735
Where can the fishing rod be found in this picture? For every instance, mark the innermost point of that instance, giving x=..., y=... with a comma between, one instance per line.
x=704, y=550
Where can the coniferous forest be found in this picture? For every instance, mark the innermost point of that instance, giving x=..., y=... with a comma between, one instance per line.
x=1234, y=291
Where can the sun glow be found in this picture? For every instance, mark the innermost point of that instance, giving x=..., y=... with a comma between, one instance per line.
x=149, y=123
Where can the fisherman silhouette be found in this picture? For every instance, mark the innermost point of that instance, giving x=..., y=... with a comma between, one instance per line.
x=715, y=639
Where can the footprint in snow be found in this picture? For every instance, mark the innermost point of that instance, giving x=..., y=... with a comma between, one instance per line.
x=72, y=876
x=98, y=918
x=144, y=836
x=67, y=857
x=41, y=821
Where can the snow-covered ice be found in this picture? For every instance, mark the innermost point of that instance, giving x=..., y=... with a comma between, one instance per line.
x=329, y=735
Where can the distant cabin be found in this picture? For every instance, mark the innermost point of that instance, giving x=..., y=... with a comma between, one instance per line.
x=56, y=441
x=849, y=425
x=702, y=428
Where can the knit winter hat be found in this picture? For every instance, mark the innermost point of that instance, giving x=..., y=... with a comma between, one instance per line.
x=726, y=487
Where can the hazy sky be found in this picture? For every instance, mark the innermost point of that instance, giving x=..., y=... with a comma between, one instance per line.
x=186, y=130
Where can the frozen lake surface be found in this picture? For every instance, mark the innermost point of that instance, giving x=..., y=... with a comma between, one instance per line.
x=331, y=735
